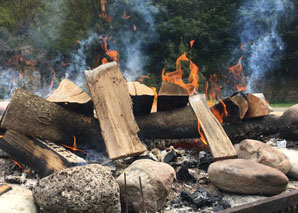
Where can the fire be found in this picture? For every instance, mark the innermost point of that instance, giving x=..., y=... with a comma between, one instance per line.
x=1, y=136
x=19, y=165
x=213, y=95
x=53, y=78
x=154, y=105
x=239, y=76
x=176, y=76
x=103, y=5
x=104, y=61
x=103, y=13
x=202, y=136
x=191, y=43
x=74, y=147
x=125, y=16
x=141, y=79
x=134, y=27
x=113, y=54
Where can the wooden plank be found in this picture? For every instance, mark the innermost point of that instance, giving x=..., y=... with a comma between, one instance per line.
x=285, y=202
x=34, y=116
x=218, y=141
x=44, y=158
x=114, y=110
x=4, y=188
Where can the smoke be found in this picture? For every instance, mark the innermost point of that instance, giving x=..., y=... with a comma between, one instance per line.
x=260, y=22
x=134, y=43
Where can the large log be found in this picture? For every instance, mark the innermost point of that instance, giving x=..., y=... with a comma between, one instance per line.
x=113, y=107
x=34, y=116
x=44, y=158
x=182, y=123
x=219, y=143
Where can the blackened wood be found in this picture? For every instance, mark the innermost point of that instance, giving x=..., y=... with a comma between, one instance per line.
x=113, y=107
x=44, y=158
x=182, y=123
x=34, y=116
x=142, y=97
x=171, y=96
x=218, y=141
x=72, y=97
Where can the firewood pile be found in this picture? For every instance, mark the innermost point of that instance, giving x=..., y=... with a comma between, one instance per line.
x=156, y=148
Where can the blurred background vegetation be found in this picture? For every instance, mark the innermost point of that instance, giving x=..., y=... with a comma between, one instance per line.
x=48, y=33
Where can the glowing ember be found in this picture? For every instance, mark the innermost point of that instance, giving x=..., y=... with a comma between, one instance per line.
x=191, y=43
x=176, y=76
x=113, y=54
x=239, y=77
x=19, y=165
x=74, y=147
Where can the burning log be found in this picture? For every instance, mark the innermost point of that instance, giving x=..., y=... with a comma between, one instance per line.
x=72, y=97
x=142, y=97
x=34, y=116
x=114, y=110
x=182, y=124
x=219, y=143
x=171, y=96
x=256, y=107
x=44, y=158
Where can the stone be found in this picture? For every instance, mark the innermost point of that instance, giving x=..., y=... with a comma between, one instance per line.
x=89, y=188
x=156, y=178
x=293, y=158
x=288, y=123
x=19, y=199
x=247, y=177
x=264, y=154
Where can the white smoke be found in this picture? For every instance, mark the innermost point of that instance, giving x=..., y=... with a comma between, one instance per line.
x=260, y=21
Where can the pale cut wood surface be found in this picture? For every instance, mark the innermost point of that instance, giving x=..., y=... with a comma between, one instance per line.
x=220, y=145
x=114, y=111
x=68, y=91
x=171, y=89
x=4, y=188
x=256, y=107
x=44, y=158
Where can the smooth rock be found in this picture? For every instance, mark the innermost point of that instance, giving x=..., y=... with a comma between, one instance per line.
x=293, y=158
x=156, y=178
x=89, y=188
x=288, y=123
x=247, y=177
x=19, y=199
x=264, y=154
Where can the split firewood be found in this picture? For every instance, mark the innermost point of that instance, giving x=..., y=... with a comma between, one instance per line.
x=142, y=97
x=262, y=97
x=72, y=97
x=171, y=96
x=4, y=188
x=256, y=107
x=113, y=107
x=34, y=116
x=44, y=158
x=219, y=143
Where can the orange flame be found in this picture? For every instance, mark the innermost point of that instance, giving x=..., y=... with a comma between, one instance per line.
x=103, y=5
x=141, y=79
x=19, y=165
x=1, y=136
x=154, y=105
x=125, y=16
x=239, y=77
x=213, y=95
x=191, y=43
x=176, y=76
x=53, y=78
x=113, y=54
x=104, y=61
x=202, y=136
x=134, y=27
x=74, y=147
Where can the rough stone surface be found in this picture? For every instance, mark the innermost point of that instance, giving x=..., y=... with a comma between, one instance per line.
x=156, y=178
x=288, y=123
x=19, y=199
x=293, y=158
x=247, y=177
x=264, y=154
x=89, y=188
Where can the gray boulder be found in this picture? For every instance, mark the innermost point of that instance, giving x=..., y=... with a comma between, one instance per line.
x=288, y=123
x=264, y=154
x=156, y=178
x=247, y=177
x=293, y=158
x=89, y=188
